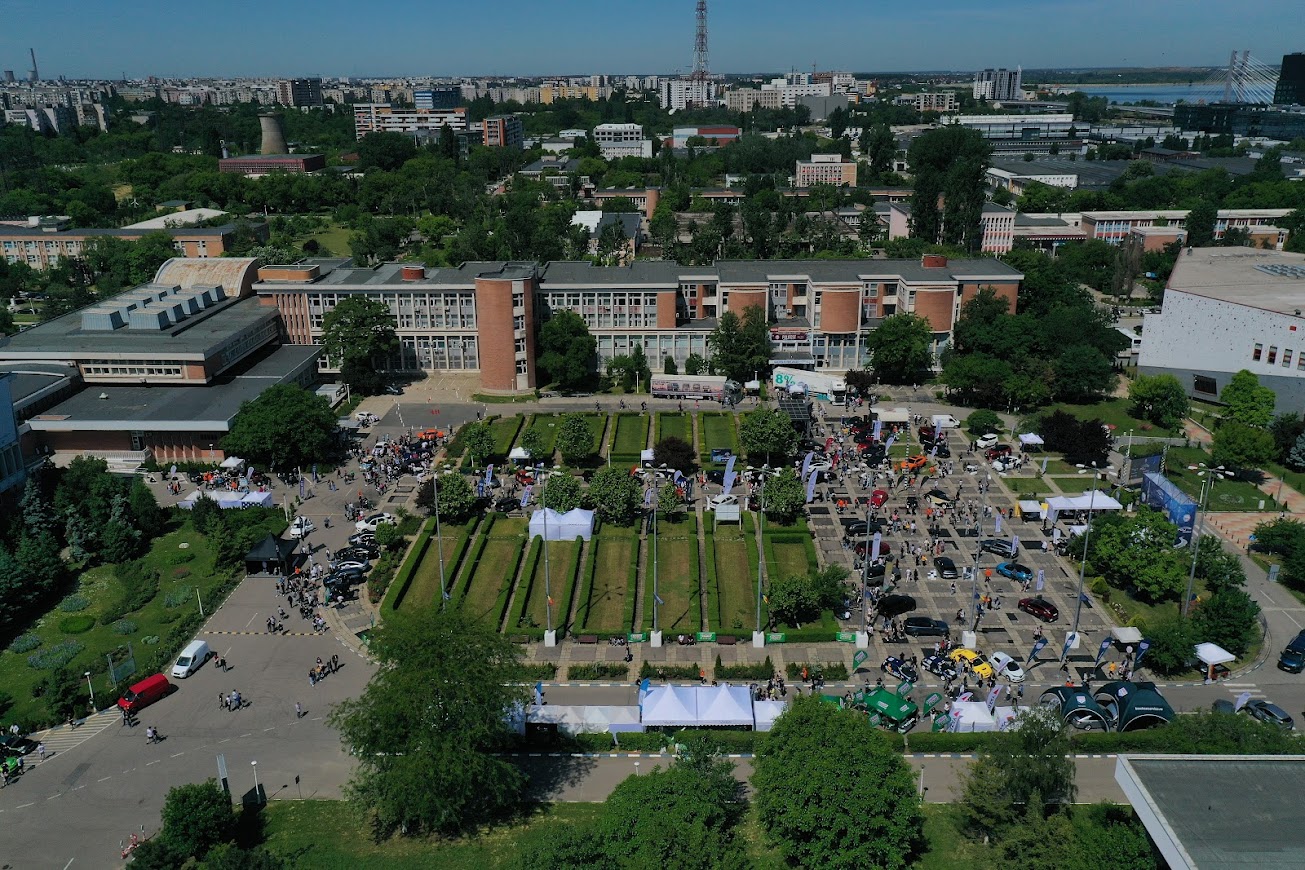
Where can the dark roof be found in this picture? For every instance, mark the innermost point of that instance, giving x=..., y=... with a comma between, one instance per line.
x=641, y=273
x=271, y=549
x=1024, y=220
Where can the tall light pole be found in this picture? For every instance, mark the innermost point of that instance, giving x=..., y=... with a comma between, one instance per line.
x=439, y=539
x=656, y=497
x=1207, y=486
x=759, y=639
x=92, y=689
x=1097, y=474
x=258, y=794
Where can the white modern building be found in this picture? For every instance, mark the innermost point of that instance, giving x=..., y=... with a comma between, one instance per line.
x=679, y=94
x=930, y=102
x=622, y=140
x=999, y=84
x=384, y=118
x=1228, y=309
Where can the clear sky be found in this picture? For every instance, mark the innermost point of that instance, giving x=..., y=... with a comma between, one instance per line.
x=105, y=38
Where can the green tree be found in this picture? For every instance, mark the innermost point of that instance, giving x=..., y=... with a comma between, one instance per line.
x=694, y=364
x=1200, y=224
x=830, y=790
x=1247, y=401
x=33, y=508
x=879, y=147
x=566, y=350
x=385, y=151
x=900, y=349
x=669, y=503
x=1083, y=374
x=1160, y=399
x=145, y=511
x=358, y=335
x=675, y=453
x=561, y=492
x=984, y=423
x=286, y=427
x=793, y=601
x=1172, y=639
x=669, y=366
x=1287, y=429
x=231, y=857
x=1138, y=551
x=455, y=497
x=1239, y=446
x=767, y=434
x=1024, y=765
x=197, y=817
x=575, y=440
x=426, y=730
x=533, y=443
x=120, y=540
x=478, y=441
x=615, y=496
x=740, y=346
x=1297, y=456
x=950, y=164
x=1229, y=618
x=783, y=495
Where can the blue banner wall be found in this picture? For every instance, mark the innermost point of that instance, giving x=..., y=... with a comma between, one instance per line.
x=1163, y=495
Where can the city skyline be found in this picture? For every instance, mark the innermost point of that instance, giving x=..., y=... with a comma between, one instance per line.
x=574, y=37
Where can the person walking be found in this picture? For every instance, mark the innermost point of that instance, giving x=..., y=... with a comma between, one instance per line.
x=40, y=751
x=299, y=710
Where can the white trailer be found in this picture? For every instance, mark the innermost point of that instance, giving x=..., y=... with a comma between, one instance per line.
x=819, y=385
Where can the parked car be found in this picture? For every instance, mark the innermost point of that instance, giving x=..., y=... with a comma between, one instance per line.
x=924, y=626
x=987, y=441
x=1040, y=608
x=938, y=498
x=927, y=432
x=16, y=744
x=998, y=547
x=979, y=665
x=301, y=526
x=366, y=539
x=820, y=465
x=1006, y=666
x=861, y=528
x=878, y=498
x=915, y=463
x=941, y=449
x=946, y=567
x=1292, y=657
x=370, y=523
x=1269, y=712
x=901, y=669
x=1015, y=571
x=721, y=500
x=940, y=666
x=351, y=564
x=355, y=554
x=993, y=453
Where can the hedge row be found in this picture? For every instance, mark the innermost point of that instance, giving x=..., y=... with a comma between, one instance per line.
x=479, y=550
x=580, y=585
x=829, y=670
x=514, y=627
x=713, y=587
x=632, y=585
x=763, y=671
x=399, y=588
x=650, y=671
x=598, y=671
x=505, y=585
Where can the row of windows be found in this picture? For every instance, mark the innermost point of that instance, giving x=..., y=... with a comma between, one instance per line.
x=1271, y=358
x=118, y=369
x=655, y=347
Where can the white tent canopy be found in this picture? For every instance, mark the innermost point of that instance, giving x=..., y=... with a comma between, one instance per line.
x=645, y=456
x=583, y=719
x=1213, y=654
x=891, y=415
x=232, y=462
x=1088, y=501
x=1030, y=509
x=553, y=526
x=670, y=705
x=764, y=713
x=1126, y=634
x=257, y=499
x=519, y=454
x=972, y=716
x=724, y=705
x=1031, y=438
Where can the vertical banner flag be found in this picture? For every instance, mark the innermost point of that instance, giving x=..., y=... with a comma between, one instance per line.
x=858, y=658
x=993, y=696
x=879, y=426
x=1044, y=466
x=1069, y=642
x=1101, y=653
x=1014, y=546
x=301, y=487
x=888, y=445
x=645, y=685
x=933, y=451
x=728, y=479
x=1038, y=647
x=647, y=496
x=875, y=543
x=930, y=702
x=1142, y=647
x=997, y=527
x=941, y=723
x=904, y=688
x=806, y=463
x=1042, y=579
x=539, y=694
x=811, y=487
x=489, y=474
x=1241, y=701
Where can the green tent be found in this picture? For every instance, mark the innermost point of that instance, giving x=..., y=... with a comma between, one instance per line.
x=895, y=711
x=1077, y=708
x=1134, y=706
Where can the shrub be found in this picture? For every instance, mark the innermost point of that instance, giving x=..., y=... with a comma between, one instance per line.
x=543, y=671
x=56, y=656
x=828, y=670
x=180, y=573
x=763, y=671
x=598, y=671
x=124, y=626
x=137, y=586
x=74, y=603
x=179, y=596
x=1100, y=588
x=667, y=672
x=76, y=624
x=25, y=643
x=181, y=557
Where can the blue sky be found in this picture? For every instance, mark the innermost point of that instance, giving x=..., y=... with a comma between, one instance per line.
x=104, y=38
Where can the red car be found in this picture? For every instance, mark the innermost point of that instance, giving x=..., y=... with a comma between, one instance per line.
x=1040, y=608
x=998, y=452
x=926, y=433
x=878, y=498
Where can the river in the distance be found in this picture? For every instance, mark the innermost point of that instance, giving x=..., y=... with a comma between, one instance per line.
x=1164, y=94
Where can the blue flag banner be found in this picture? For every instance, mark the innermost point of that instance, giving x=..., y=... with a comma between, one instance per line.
x=875, y=543
x=1038, y=647
x=1044, y=466
x=1142, y=647
x=811, y=487
x=301, y=487
x=1105, y=645
x=879, y=427
x=1014, y=546
x=539, y=694
x=997, y=527
x=489, y=474
x=933, y=451
x=1069, y=642
x=658, y=599
x=645, y=685
x=806, y=464
x=1042, y=579
x=647, y=496
x=889, y=443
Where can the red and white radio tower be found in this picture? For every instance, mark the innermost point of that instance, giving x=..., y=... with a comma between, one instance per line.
x=700, y=55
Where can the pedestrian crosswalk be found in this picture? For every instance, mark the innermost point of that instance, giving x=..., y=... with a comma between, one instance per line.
x=1251, y=689
x=256, y=633
x=62, y=738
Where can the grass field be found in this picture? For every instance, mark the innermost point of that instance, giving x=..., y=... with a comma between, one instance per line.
x=334, y=239
x=1111, y=412
x=504, y=431
x=631, y=435
x=561, y=575
x=715, y=430
x=790, y=560
x=491, y=574
x=425, y=588
x=614, y=549
x=1027, y=486
x=736, y=576
x=677, y=578
x=675, y=426
x=548, y=426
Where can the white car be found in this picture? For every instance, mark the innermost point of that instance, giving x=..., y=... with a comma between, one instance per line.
x=302, y=526
x=351, y=564
x=370, y=523
x=720, y=500
x=989, y=440
x=1007, y=667
x=819, y=465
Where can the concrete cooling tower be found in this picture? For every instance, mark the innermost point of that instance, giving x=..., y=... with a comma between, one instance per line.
x=273, y=135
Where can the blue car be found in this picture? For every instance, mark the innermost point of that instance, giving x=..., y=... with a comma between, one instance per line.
x=1015, y=571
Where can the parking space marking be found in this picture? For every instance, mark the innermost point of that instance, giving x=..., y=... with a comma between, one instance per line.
x=177, y=755
x=104, y=779
x=148, y=763
x=23, y=806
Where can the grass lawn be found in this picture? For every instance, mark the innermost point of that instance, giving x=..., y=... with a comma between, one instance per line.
x=1027, y=486
x=560, y=575
x=677, y=578
x=736, y=577
x=1227, y=495
x=491, y=575
x=614, y=549
x=1059, y=466
x=186, y=565
x=425, y=588
x=1073, y=484
x=548, y=426
x=334, y=238
x=675, y=426
x=1294, y=479
x=716, y=430
x=1112, y=412
x=329, y=835
x=631, y=435
x=504, y=431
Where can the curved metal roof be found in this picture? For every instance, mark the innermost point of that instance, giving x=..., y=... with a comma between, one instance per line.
x=236, y=275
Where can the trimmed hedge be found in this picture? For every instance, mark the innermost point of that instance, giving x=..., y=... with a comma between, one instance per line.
x=651, y=671
x=536, y=672
x=477, y=552
x=829, y=670
x=632, y=584
x=598, y=671
x=76, y=624
x=580, y=585
x=403, y=580
x=763, y=671
x=709, y=562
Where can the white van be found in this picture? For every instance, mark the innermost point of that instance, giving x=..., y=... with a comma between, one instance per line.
x=945, y=421
x=191, y=658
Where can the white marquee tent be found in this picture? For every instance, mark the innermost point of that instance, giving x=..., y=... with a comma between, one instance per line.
x=764, y=713
x=670, y=705
x=553, y=526
x=584, y=720
x=1088, y=501
x=724, y=705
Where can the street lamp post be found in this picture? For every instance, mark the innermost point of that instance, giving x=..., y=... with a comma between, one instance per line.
x=439, y=539
x=1207, y=486
x=550, y=636
x=258, y=792
x=656, y=638
x=1097, y=474
x=978, y=551
x=91, y=688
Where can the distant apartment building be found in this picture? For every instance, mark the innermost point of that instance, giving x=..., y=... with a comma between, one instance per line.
x=554, y=91
x=437, y=98
x=504, y=131
x=680, y=94
x=299, y=92
x=622, y=140
x=714, y=135
x=1290, y=89
x=930, y=102
x=825, y=169
x=384, y=118
x=1019, y=134
x=997, y=225
x=999, y=84
x=795, y=85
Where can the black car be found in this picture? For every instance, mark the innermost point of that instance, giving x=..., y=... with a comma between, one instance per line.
x=943, y=451
x=1270, y=713
x=924, y=626
x=345, y=577
x=355, y=554
x=861, y=528
x=364, y=538
x=946, y=567
x=998, y=547
x=940, y=666
x=1292, y=658
x=16, y=744
x=901, y=669
x=507, y=504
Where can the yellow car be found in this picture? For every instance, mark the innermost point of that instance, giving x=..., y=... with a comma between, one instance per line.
x=978, y=663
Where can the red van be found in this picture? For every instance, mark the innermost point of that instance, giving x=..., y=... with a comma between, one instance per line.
x=144, y=693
